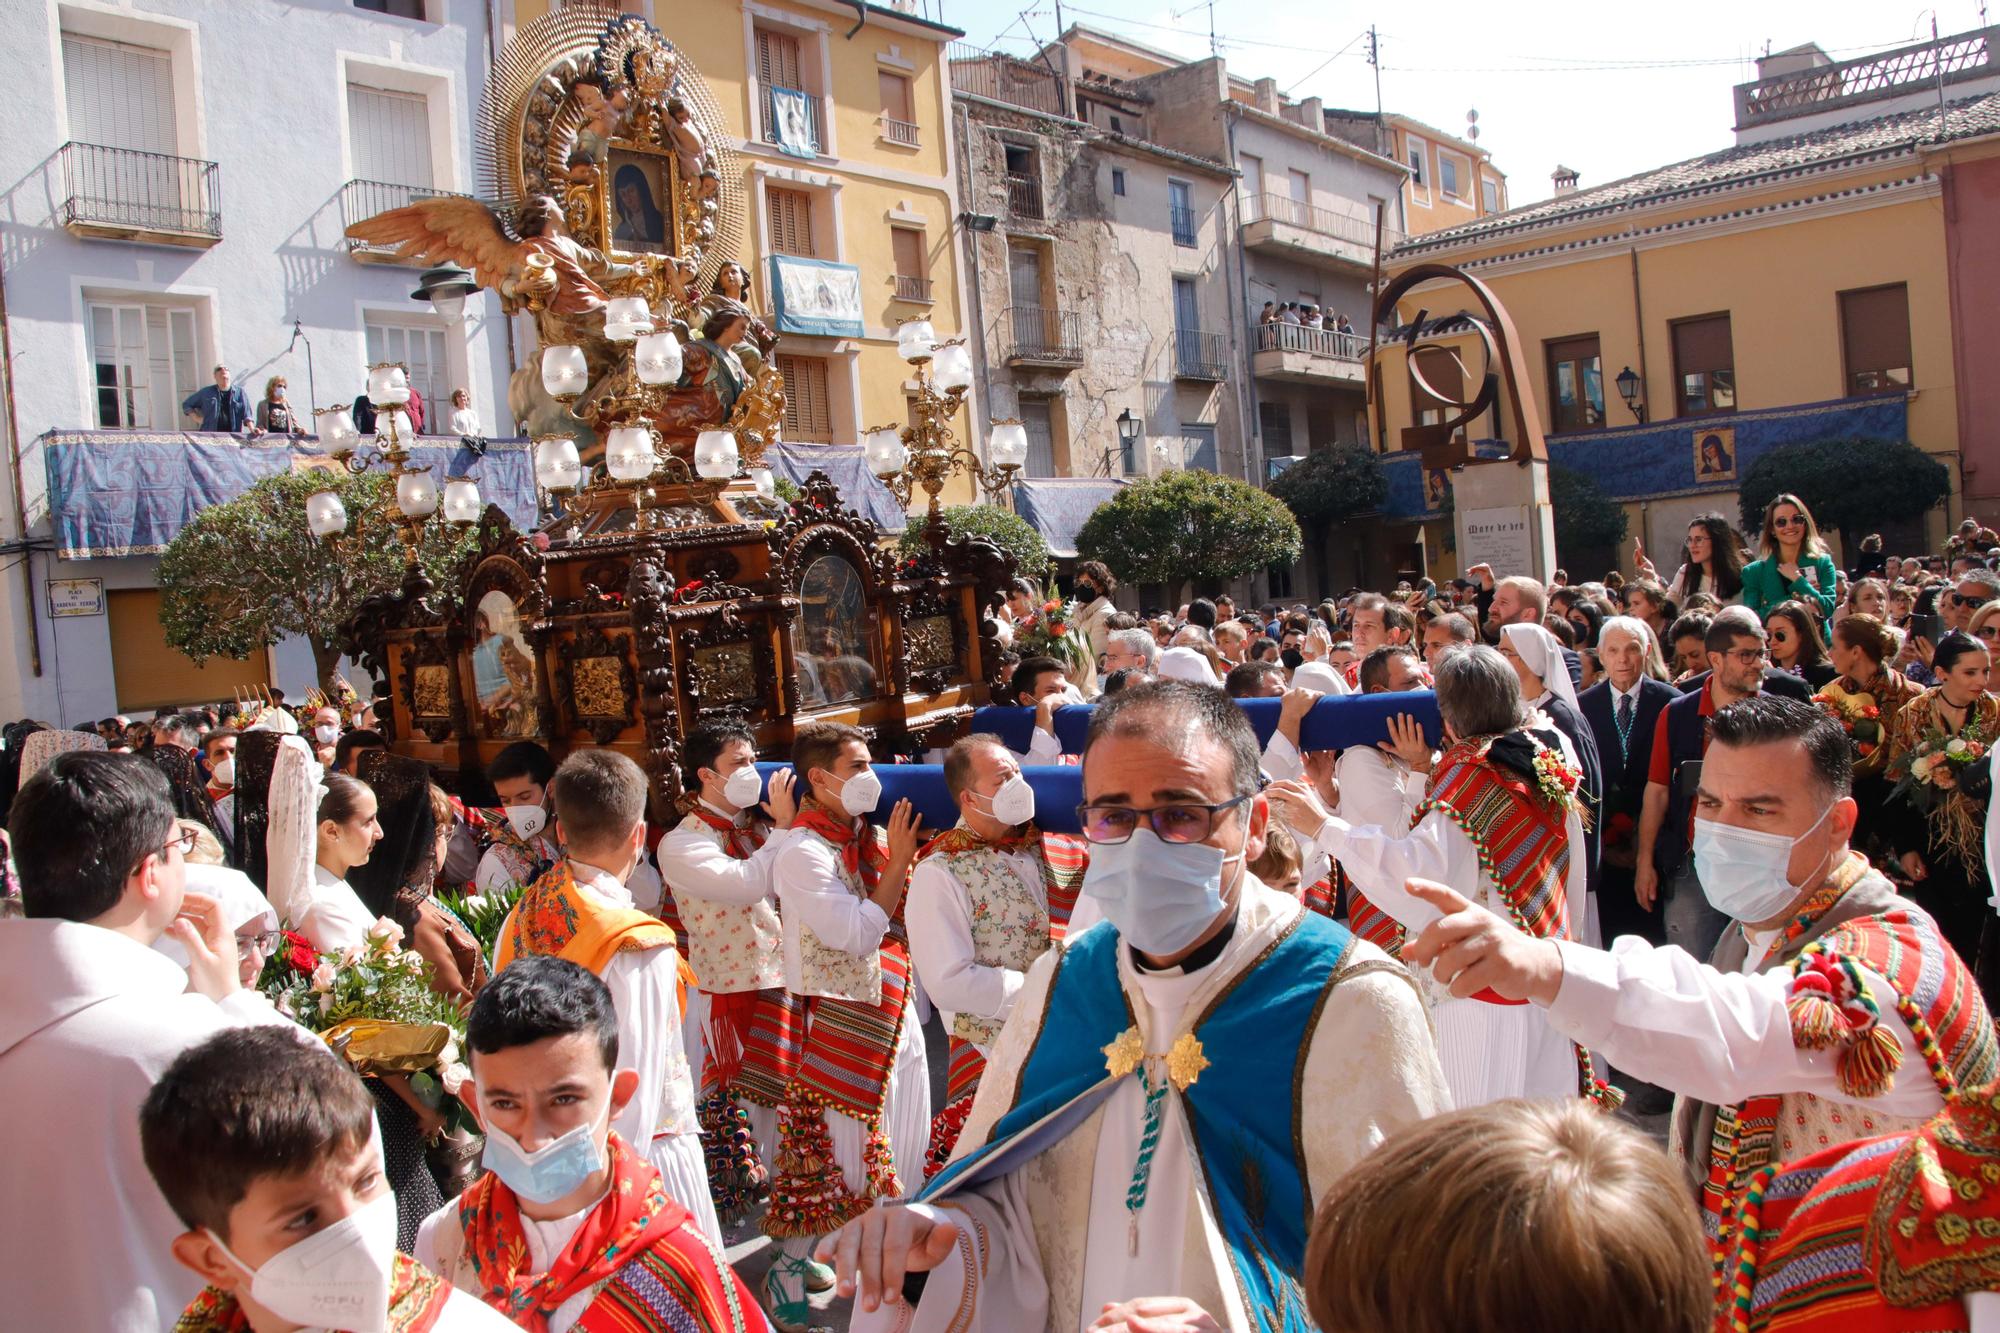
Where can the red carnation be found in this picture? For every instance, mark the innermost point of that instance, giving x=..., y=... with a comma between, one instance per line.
x=299, y=952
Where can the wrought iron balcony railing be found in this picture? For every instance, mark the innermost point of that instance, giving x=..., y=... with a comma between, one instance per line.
x=126, y=193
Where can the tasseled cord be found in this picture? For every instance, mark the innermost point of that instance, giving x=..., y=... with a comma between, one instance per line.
x=1830, y=1009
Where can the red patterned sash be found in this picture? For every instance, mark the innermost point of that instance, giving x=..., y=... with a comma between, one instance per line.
x=1518, y=834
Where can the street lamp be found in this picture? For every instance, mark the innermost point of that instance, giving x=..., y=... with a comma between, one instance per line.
x=1129, y=428
x=446, y=288
x=1628, y=389
x=925, y=453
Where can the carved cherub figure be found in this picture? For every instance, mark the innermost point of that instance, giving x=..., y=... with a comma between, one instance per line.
x=690, y=147
x=545, y=270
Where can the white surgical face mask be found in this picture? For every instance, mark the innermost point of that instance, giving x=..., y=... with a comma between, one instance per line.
x=527, y=820
x=327, y=733
x=555, y=1170
x=1159, y=895
x=1746, y=874
x=224, y=773
x=1014, y=803
x=336, y=1278
x=743, y=787
x=861, y=793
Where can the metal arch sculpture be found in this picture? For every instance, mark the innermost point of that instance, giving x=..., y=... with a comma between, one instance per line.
x=1501, y=345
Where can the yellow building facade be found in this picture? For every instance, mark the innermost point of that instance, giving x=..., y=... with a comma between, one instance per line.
x=1750, y=292
x=864, y=178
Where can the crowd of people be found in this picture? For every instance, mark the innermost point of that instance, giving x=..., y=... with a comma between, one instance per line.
x=222, y=407
x=1380, y=1037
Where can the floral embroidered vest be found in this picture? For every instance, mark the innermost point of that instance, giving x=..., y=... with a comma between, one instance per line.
x=825, y=970
x=731, y=948
x=1010, y=928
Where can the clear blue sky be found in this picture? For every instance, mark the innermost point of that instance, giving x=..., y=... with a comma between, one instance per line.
x=1606, y=89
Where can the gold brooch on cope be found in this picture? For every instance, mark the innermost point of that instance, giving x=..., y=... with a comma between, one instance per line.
x=1122, y=1056
x=1185, y=1062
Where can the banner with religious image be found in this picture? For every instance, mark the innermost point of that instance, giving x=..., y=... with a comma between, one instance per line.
x=812, y=296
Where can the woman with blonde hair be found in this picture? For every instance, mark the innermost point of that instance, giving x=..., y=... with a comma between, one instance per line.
x=1795, y=564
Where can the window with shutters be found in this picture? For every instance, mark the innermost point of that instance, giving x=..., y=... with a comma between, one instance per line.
x=422, y=349
x=1489, y=194
x=144, y=363
x=1576, y=384
x=790, y=105
x=1449, y=175
x=1704, y=366
x=913, y=282
x=119, y=95
x=1274, y=423
x=1039, y=423
x=389, y=135
x=791, y=221
x=898, y=114
x=808, y=408
x=402, y=9
x=1875, y=339
x=780, y=60
x=1416, y=153
x=1198, y=443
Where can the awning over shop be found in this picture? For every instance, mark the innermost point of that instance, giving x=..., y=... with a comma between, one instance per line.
x=848, y=471
x=1056, y=507
x=116, y=493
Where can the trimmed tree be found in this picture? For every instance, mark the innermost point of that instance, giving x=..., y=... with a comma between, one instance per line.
x=245, y=574
x=1004, y=528
x=1330, y=485
x=1854, y=486
x=1189, y=525
x=1588, y=522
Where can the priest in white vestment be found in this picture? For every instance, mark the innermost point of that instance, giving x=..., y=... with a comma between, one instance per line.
x=1176, y=1086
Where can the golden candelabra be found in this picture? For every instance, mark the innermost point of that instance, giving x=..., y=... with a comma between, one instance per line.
x=926, y=453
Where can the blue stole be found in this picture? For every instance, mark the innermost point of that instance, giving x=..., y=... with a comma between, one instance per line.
x=1244, y=1111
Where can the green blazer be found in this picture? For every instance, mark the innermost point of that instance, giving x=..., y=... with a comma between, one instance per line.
x=1764, y=587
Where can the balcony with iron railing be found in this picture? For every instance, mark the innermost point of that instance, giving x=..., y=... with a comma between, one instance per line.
x=362, y=199
x=902, y=133
x=1182, y=220
x=1199, y=355
x=1280, y=225
x=793, y=119
x=123, y=194
x=1297, y=354
x=1043, y=336
x=1024, y=197
x=1921, y=68
x=1002, y=78
x=910, y=287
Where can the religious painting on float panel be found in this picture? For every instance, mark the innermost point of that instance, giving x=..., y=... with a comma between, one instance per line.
x=831, y=640
x=1715, y=454
x=503, y=669
x=640, y=211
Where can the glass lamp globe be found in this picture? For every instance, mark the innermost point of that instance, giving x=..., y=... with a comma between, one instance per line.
x=766, y=484
x=915, y=339
x=885, y=451
x=392, y=426
x=339, y=433
x=628, y=453
x=388, y=386
x=461, y=500
x=416, y=496
x=626, y=317
x=951, y=368
x=1007, y=446
x=565, y=373
x=657, y=358
x=326, y=516
x=715, y=454
x=557, y=466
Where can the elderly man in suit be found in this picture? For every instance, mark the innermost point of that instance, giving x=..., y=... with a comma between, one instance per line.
x=1622, y=710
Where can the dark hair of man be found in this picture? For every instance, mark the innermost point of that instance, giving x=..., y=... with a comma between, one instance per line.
x=1029, y=674
x=959, y=759
x=1730, y=624
x=1374, y=675
x=1690, y=625
x=81, y=826
x=1174, y=712
x=1100, y=574
x=1768, y=719
x=599, y=796
x=1118, y=620
x=1245, y=680
x=1950, y=648
x=819, y=747
x=1124, y=678
x=1478, y=692
x=1201, y=612
x=1396, y=616
x=342, y=798
x=1459, y=627
x=538, y=997
x=344, y=748
x=522, y=759
x=208, y=742
x=246, y=1103
x=706, y=743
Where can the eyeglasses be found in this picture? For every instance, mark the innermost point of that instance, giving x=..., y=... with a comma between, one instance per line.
x=263, y=941
x=1960, y=599
x=1747, y=656
x=1795, y=521
x=1110, y=824
x=1989, y=631
x=185, y=840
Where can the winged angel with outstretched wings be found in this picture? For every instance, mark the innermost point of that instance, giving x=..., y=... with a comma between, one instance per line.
x=545, y=270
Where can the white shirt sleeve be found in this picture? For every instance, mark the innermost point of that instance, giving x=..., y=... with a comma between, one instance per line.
x=1376, y=791
x=811, y=892
x=493, y=874
x=1043, y=748
x=699, y=867
x=1982, y=1311
x=1282, y=759
x=1379, y=861
x=1661, y=1016
x=643, y=990
x=940, y=922
x=334, y=918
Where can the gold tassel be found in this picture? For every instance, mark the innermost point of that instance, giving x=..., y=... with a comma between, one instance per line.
x=1868, y=1067
x=1816, y=1020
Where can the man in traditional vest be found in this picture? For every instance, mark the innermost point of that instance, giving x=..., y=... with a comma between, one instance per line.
x=854, y=1117
x=989, y=896
x=717, y=867
x=1833, y=1010
x=582, y=911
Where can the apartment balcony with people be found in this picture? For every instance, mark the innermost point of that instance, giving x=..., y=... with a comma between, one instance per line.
x=124, y=194
x=362, y=199
x=1043, y=336
x=1301, y=355
x=1279, y=225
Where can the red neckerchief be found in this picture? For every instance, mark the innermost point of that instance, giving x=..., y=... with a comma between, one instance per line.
x=739, y=840
x=416, y=1299
x=633, y=1216
x=861, y=852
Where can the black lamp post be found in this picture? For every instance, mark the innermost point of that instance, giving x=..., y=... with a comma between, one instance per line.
x=1628, y=389
x=1129, y=427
